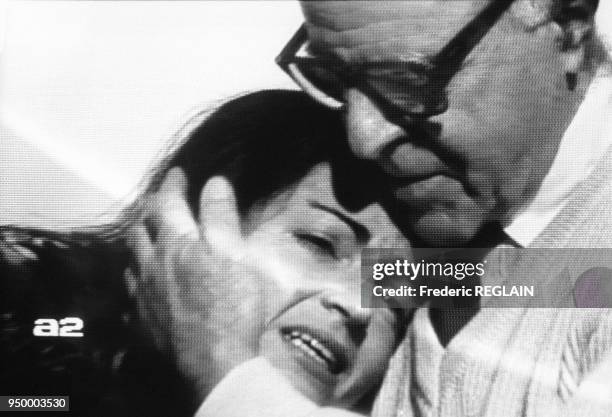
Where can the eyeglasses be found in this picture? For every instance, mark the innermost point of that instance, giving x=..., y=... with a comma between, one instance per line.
x=413, y=88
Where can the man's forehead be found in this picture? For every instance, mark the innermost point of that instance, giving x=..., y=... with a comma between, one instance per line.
x=372, y=30
x=383, y=29
x=351, y=14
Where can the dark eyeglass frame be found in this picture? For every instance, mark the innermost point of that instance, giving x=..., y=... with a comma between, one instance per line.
x=418, y=86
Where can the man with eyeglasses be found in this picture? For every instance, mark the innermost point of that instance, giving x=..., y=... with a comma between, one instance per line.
x=462, y=104
x=489, y=119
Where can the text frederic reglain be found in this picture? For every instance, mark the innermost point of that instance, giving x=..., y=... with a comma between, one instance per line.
x=441, y=270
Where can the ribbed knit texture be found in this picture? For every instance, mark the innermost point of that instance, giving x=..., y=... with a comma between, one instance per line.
x=520, y=361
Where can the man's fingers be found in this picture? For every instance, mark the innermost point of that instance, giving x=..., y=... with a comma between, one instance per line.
x=169, y=214
x=175, y=182
x=142, y=247
x=219, y=218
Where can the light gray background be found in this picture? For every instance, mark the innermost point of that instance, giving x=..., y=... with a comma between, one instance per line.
x=91, y=91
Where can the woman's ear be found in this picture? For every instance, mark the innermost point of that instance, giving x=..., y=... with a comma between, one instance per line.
x=576, y=21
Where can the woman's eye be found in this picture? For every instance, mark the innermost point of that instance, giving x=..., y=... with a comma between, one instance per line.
x=317, y=244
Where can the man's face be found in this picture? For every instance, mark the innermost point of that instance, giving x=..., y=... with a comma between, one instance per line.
x=485, y=157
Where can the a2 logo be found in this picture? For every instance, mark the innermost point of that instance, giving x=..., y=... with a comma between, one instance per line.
x=66, y=327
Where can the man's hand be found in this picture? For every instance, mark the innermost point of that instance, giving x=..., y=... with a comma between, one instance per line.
x=195, y=293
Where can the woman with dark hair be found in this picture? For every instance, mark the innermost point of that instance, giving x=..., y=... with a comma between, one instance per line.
x=284, y=158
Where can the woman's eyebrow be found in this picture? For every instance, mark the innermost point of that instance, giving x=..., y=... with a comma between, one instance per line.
x=362, y=234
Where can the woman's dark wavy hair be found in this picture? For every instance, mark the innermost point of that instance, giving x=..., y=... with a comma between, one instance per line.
x=262, y=142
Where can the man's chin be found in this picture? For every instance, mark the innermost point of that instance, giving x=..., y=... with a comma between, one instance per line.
x=440, y=228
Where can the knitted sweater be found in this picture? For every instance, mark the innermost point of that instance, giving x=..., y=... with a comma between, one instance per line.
x=517, y=361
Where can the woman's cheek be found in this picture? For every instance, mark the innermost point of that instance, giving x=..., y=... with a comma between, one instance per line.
x=283, y=275
x=282, y=259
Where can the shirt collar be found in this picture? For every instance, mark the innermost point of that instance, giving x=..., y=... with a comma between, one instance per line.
x=583, y=144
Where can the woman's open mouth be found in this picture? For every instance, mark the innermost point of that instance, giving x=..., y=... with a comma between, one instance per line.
x=321, y=350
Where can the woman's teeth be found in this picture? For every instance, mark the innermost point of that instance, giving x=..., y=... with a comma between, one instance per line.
x=311, y=347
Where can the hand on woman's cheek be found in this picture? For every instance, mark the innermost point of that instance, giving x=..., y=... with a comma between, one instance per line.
x=213, y=299
x=199, y=293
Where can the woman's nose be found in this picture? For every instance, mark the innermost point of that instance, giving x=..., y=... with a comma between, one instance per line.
x=369, y=132
x=348, y=306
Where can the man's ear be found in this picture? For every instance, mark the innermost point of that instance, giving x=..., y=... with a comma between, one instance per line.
x=576, y=20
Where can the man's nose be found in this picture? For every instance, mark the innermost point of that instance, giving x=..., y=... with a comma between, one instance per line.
x=369, y=132
x=353, y=316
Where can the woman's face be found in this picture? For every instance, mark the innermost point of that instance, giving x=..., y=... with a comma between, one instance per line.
x=316, y=333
